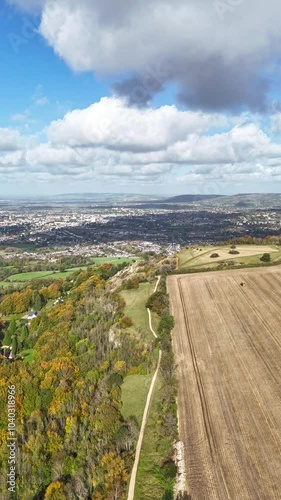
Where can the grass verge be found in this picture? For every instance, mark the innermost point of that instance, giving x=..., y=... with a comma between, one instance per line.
x=134, y=393
x=153, y=480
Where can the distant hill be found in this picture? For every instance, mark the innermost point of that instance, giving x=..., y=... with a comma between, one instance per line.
x=248, y=201
x=191, y=198
x=106, y=197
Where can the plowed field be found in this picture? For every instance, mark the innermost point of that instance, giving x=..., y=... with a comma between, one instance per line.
x=227, y=343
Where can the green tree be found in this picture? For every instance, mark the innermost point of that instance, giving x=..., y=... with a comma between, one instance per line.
x=23, y=335
x=266, y=257
x=14, y=344
x=7, y=340
x=166, y=325
x=12, y=327
x=37, y=301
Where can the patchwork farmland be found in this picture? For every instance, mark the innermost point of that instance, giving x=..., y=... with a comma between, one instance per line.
x=227, y=343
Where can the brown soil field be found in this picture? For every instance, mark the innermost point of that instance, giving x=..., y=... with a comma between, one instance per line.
x=227, y=344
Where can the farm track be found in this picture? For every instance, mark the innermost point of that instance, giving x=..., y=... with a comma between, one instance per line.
x=227, y=347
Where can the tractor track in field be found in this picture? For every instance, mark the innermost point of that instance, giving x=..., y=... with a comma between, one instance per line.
x=227, y=344
x=204, y=406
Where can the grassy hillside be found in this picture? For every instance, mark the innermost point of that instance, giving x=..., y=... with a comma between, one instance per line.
x=199, y=258
x=134, y=393
x=25, y=277
x=135, y=306
x=155, y=478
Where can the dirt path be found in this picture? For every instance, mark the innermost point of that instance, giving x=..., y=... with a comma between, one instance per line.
x=149, y=312
x=227, y=347
x=132, y=484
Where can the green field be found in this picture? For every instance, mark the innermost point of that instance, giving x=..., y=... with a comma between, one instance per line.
x=134, y=393
x=135, y=305
x=199, y=258
x=44, y=274
x=113, y=260
x=28, y=276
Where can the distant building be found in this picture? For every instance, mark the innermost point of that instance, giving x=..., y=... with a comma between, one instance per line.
x=58, y=301
x=32, y=314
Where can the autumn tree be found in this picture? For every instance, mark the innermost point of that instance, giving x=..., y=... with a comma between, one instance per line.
x=115, y=474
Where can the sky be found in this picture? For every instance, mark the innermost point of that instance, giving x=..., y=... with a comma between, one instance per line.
x=158, y=97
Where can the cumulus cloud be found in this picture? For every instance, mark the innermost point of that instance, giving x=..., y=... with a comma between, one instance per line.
x=113, y=124
x=9, y=139
x=143, y=145
x=135, y=92
x=220, y=58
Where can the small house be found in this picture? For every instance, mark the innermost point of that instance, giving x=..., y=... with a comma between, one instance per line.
x=32, y=314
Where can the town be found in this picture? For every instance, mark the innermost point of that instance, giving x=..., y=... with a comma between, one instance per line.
x=108, y=229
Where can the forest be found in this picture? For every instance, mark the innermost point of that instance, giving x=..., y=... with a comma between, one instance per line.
x=67, y=365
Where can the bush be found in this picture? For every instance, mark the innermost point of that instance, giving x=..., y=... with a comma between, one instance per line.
x=131, y=284
x=266, y=257
x=166, y=325
x=125, y=322
x=158, y=302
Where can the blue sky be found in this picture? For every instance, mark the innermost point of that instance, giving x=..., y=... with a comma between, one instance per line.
x=71, y=118
x=30, y=70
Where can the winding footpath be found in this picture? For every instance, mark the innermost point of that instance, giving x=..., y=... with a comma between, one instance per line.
x=145, y=413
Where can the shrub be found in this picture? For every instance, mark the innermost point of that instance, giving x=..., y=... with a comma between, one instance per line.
x=131, y=284
x=266, y=257
x=158, y=302
x=166, y=325
x=125, y=322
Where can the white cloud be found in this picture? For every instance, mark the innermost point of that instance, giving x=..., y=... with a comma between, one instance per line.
x=100, y=34
x=38, y=97
x=112, y=124
x=20, y=117
x=142, y=145
x=163, y=40
x=42, y=101
x=9, y=139
x=218, y=62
